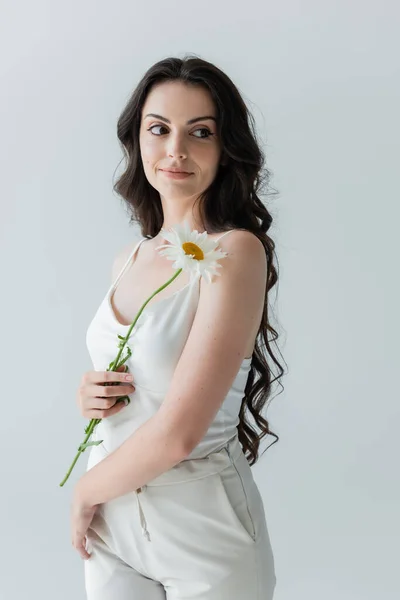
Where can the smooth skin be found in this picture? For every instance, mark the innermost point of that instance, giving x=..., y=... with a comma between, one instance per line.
x=171, y=139
x=93, y=405
x=178, y=129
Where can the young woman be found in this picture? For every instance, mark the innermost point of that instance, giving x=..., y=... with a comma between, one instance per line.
x=168, y=507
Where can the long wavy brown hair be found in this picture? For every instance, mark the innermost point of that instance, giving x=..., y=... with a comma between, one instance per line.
x=231, y=201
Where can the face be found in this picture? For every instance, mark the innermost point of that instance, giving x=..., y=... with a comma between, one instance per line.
x=176, y=131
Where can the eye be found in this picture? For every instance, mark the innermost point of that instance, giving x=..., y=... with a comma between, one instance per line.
x=204, y=129
x=152, y=127
x=208, y=132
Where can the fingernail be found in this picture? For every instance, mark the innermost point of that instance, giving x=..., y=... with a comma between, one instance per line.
x=128, y=378
x=126, y=401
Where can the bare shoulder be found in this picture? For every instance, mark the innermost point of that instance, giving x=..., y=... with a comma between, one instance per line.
x=244, y=270
x=244, y=245
x=225, y=325
x=245, y=254
x=121, y=258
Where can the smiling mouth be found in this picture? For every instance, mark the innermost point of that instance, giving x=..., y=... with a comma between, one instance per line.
x=179, y=172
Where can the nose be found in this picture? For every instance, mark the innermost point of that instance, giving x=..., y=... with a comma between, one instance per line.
x=176, y=147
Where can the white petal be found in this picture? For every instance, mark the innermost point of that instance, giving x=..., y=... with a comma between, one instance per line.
x=180, y=234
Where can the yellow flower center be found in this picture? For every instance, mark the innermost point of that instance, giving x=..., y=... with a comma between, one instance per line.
x=194, y=249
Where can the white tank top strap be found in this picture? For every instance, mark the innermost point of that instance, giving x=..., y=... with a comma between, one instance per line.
x=132, y=254
x=225, y=233
x=127, y=263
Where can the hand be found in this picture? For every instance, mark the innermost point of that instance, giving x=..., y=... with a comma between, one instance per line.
x=99, y=402
x=81, y=518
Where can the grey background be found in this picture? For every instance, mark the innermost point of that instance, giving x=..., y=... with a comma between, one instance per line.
x=322, y=80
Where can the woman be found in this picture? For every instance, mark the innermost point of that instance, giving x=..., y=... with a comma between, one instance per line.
x=168, y=506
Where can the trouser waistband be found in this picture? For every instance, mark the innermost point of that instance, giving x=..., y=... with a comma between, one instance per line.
x=196, y=468
x=190, y=470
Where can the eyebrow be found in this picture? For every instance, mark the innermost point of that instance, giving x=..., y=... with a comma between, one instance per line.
x=188, y=123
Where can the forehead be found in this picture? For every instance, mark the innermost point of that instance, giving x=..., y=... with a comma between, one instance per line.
x=178, y=100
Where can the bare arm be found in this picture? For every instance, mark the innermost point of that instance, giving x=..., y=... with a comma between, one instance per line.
x=228, y=315
x=147, y=453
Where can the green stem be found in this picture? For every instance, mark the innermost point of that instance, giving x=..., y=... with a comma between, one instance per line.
x=178, y=272
x=91, y=427
x=115, y=365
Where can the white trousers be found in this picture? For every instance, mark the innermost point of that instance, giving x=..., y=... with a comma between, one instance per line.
x=197, y=531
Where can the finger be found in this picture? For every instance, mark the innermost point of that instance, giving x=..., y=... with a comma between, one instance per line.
x=110, y=391
x=81, y=547
x=118, y=406
x=109, y=376
x=98, y=413
x=95, y=396
x=100, y=377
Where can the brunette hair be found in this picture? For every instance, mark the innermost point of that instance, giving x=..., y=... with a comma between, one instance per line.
x=231, y=202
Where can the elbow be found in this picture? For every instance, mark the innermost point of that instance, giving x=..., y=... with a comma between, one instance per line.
x=182, y=447
x=178, y=441
x=176, y=445
x=186, y=444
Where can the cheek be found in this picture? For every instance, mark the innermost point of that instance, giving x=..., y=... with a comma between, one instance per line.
x=208, y=152
x=209, y=159
x=150, y=150
x=149, y=154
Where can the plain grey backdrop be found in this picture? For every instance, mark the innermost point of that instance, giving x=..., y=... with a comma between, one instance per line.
x=322, y=80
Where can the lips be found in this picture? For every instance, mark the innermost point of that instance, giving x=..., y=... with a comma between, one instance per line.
x=176, y=171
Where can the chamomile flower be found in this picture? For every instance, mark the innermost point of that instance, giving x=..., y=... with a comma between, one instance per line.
x=192, y=251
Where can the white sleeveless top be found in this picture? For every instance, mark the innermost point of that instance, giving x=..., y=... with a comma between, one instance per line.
x=156, y=342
